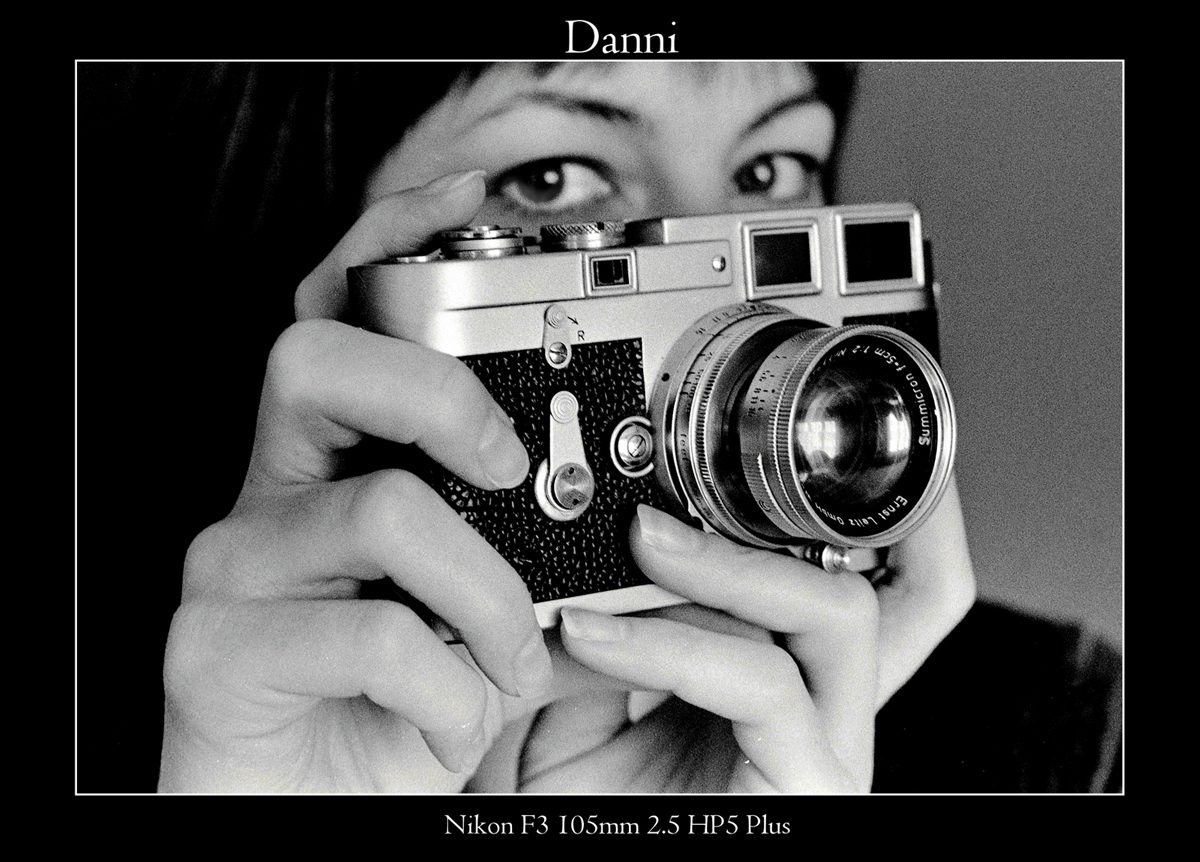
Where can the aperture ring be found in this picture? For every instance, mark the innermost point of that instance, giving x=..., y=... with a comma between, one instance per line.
x=769, y=476
x=781, y=463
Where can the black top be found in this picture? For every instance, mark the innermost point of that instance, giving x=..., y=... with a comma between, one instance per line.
x=1008, y=703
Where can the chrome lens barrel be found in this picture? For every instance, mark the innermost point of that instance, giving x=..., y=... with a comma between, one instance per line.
x=689, y=462
x=780, y=430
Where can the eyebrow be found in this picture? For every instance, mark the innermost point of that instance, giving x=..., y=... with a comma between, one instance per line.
x=799, y=100
x=604, y=111
x=613, y=114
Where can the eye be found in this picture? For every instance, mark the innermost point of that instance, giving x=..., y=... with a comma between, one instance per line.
x=779, y=176
x=550, y=185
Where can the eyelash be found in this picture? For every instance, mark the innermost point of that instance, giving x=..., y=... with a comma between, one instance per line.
x=810, y=173
x=568, y=177
x=567, y=169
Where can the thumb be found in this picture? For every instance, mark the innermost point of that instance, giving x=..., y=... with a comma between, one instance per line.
x=931, y=589
x=400, y=223
x=568, y=728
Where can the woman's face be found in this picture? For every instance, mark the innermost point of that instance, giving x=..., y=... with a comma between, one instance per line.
x=621, y=141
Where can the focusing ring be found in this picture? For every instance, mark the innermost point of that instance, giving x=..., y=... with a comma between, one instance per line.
x=761, y=465
x=705, y=436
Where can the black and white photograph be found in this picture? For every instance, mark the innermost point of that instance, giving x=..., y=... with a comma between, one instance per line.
x=622, y=422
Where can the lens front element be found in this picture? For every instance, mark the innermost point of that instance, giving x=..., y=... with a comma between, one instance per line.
x=852, y=438
x=860, y=436
x=783, y=430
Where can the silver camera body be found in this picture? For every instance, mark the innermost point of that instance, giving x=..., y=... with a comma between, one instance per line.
x=768, y=375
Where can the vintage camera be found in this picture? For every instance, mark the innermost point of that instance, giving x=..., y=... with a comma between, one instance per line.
x=770, y=376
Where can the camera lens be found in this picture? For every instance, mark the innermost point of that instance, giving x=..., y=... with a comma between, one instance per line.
x=851, y=439
x=781, y=430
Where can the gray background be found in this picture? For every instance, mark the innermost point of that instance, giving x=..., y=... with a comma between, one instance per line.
x=1017, y=168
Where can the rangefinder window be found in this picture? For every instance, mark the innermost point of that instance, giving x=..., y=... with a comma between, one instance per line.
x=878, y=251
x=782, y=262
x=781, y=258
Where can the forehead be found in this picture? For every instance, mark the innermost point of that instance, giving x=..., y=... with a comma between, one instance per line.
x=653, y=91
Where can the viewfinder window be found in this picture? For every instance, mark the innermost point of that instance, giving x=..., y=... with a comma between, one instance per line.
x=878, y=251
x=781, y=258
x=610, y=272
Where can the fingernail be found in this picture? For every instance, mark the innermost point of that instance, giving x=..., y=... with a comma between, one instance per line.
x=502, y=457
x=591, y=626
x=472, y=751
x=459, y=748
x=532, y=669
x=661, y=530
x=448, y=183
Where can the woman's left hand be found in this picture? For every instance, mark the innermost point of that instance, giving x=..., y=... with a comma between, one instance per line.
x=749, y=711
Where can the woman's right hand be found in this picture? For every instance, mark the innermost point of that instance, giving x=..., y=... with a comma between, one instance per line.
x=278, y=678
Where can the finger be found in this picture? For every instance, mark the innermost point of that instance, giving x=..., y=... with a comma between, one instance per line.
x=931, y=588
x=280, y=655
x=328, y=383
x=675, y=749
x=756, y=686
x=641, y=703
x=509, y=718
x=569, y=679
x=830, y=619
x=314, y=541
x=396, y=224
x=570, y=727
x=711, y=619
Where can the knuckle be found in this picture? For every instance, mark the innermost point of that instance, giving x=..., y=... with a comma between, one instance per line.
x=302, y=301
x=502, y=612
x=210, y=556
x=295, y=353
x=385, y=642
x=452, y=381
x=190, y=658
x=378, y=507
x=780, y=681
x=383, y=636
x=860, y=602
